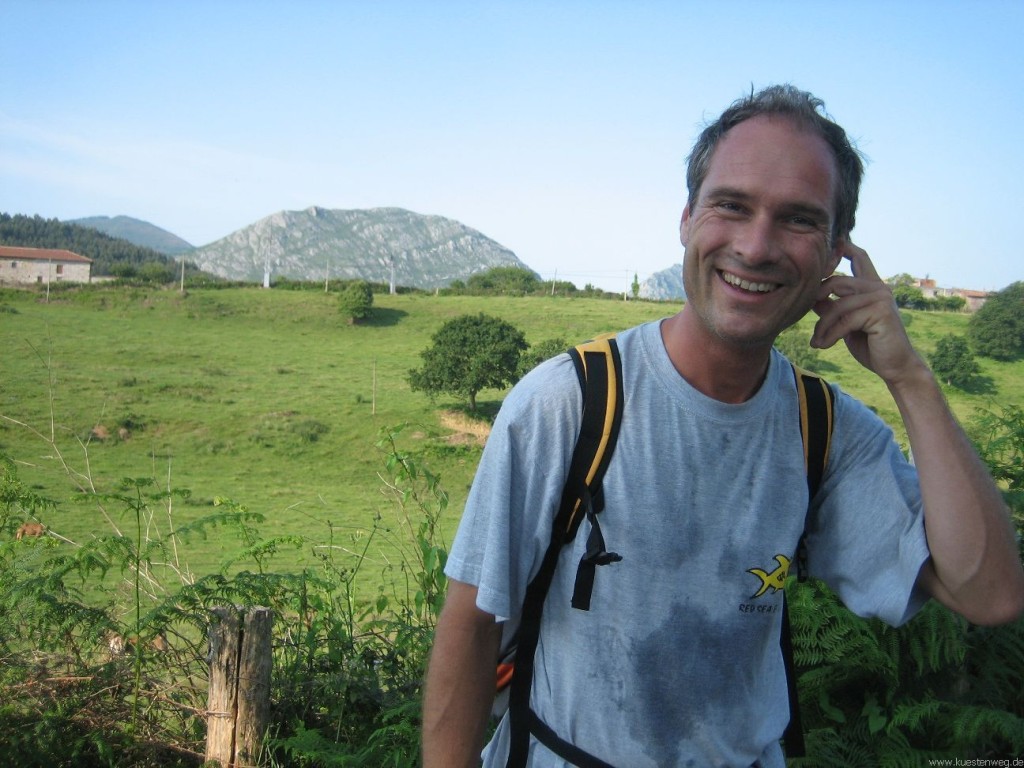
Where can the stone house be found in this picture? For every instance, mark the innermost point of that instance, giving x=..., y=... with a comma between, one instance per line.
x=930, y=290
x=43, y=266
x=974, y=299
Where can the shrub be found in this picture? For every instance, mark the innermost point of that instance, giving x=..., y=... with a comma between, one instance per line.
x=356, y=301
x=796, y=346
x=509, y=281
x=538, y=353
x=997, y=329
x=953, y=362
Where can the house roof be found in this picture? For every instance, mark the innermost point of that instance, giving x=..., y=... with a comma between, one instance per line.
x=42, y=254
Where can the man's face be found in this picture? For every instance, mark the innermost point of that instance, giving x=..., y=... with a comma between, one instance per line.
x=757, y=239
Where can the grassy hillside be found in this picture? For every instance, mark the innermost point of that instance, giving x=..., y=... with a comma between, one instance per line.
x=269, y=398
x=266, y=397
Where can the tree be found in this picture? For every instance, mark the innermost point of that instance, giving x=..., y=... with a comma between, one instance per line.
x=903, y=278
x=356, y=301
x=997, y=329
x=470, y=353
x=906, y=292
x=796, y=346
x=953, y=362
x=909, y=297
x=511, y=281
x=635, y=287
x=157, y=272
x=949, y=303
x=538, y=353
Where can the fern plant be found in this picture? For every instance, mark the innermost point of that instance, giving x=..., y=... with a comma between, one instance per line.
x=935, y=687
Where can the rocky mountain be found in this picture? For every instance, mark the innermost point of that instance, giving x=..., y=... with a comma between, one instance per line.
x=137, y=232
x=664, y=285
x=424, y=251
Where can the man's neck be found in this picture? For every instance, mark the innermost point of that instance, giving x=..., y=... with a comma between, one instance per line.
x=725, y=372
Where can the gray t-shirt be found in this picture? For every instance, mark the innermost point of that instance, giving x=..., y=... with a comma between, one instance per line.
x=677, y=662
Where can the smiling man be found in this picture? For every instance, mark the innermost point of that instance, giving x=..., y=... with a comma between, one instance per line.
x=759, y=237
x=677, y=660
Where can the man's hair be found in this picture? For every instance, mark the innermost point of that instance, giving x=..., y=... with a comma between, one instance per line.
x=808, y=112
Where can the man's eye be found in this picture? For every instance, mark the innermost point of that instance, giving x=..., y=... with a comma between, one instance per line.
x=803, y=222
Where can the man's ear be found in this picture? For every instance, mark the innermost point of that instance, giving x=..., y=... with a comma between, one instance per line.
x=684, y=225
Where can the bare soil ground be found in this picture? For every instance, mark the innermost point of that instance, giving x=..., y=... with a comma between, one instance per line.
x=465, y=431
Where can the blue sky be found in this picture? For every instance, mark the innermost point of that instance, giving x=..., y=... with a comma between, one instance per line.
x=558, y=128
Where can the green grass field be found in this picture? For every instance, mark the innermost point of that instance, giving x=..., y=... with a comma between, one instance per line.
x=270, y=399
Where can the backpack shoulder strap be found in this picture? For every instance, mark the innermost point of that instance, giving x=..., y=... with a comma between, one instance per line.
x=817, y=402
x=599, y=371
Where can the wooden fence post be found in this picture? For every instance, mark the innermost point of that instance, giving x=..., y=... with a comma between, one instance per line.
x=239, y=696
x=221, y=705
x=254, y=685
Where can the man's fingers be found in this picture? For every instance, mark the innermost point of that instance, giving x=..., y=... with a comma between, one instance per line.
x=853, y=309
x=860, y=262
x=832, y=324
x=837, y=285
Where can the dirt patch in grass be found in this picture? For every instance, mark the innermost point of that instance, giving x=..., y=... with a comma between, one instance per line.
x=465, y=431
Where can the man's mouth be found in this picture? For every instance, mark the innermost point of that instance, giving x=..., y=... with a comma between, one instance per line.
x=747, y=285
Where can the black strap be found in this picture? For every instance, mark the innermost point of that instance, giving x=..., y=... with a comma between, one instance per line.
x=595, y=555
x=600, y=394
x=819, y=401
x=793, y=736
x=816, y=418
x=568, y=752
x=522, y=679
x=599, y=370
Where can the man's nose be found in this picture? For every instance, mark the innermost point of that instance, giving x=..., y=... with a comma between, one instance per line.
x=756, y=241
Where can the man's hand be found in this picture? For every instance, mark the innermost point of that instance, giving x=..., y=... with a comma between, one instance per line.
x=861, y=311
x=974, y=568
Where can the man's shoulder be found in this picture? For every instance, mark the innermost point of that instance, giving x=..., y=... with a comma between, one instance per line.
x=639, y=334
x=551, y=387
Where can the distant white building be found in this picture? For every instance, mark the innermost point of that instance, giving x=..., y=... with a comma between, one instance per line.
x=43, y=266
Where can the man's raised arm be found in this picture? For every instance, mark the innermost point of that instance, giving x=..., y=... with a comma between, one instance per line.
x=975, y=568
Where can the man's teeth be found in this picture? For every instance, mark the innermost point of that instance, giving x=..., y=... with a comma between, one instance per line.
x=746, y=285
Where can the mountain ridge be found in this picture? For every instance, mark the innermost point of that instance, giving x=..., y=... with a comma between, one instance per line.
x=424, y=251
x=667, y=284
x=138, y=232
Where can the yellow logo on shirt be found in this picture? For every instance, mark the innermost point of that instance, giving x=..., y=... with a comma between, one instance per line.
x=775, y=580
